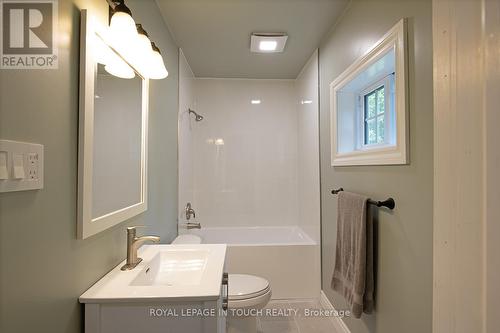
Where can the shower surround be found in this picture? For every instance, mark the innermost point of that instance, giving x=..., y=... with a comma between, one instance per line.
x=251, y=167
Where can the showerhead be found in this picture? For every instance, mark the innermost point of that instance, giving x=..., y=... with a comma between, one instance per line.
x=197, y=117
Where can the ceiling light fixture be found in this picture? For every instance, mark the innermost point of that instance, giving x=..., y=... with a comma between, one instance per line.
x=268, y=42
x=255, y=101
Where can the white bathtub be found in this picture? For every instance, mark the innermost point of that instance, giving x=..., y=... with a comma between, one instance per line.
x=252, y=236
x=286, y=256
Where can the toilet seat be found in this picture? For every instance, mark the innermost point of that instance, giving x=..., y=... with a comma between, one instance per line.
x=248, y=291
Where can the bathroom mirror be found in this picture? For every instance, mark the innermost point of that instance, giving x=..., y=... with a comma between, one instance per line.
x=112, y=148
x=369, y=106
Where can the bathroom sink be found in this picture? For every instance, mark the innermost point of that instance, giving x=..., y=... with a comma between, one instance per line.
x=167, y=273
x=176, y=267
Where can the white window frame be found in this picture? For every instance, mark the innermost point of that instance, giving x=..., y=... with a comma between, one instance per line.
x=388, y=154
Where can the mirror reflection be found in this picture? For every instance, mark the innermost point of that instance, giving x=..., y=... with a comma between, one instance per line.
x=117, y=135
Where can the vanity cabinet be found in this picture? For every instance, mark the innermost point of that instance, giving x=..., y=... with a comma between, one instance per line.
x=175, y=288
x=193, y=317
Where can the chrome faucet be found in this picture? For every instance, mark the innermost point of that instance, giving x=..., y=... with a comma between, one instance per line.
x=133, y=244
x=189, y=211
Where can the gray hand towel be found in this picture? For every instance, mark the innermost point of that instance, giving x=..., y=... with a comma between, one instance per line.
x=353, y=274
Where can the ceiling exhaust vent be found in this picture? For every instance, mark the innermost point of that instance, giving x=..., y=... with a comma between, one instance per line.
x=268, y=42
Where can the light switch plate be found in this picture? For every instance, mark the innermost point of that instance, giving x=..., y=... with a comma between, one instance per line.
x=17, y=166
x=23, y=168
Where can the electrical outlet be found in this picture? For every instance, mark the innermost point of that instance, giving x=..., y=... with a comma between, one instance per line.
x=32, y=166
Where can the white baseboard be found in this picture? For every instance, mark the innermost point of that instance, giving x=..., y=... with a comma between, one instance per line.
x=337, y=321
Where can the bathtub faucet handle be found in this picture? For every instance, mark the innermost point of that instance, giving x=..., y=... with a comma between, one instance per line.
x=189, y=211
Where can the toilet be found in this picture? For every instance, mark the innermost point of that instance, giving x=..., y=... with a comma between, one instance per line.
x=246, y=292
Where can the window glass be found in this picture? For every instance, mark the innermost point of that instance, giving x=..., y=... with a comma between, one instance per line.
x=380, y=101
x=380, y=129
x=374, y=116
x=370, y=132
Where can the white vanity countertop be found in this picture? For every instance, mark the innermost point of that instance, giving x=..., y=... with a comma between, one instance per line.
x=184, y=272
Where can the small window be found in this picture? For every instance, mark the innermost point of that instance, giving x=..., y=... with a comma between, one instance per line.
x=368, y=106
x=374, y=117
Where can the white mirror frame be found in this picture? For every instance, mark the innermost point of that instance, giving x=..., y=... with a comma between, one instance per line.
x=86, y=225
x=398, y=154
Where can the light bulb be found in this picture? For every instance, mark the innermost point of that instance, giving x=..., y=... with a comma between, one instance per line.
x=141, y=54
x=122, y=24
x=156, y=69
x=120, y=69
x=123, y=34
x=143, y=46
x=160, y=72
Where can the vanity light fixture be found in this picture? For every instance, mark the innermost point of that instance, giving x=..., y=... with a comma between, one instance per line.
x=132, y=43
x=120, y=69
x=158, y=69
x=149, y=57
x=306, y=101
x=268, y=42
x=121, y=21
x=143, y=41
x=113, y=63
x=141, y=52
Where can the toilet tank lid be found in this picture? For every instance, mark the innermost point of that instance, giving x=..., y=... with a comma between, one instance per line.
x=187, y=239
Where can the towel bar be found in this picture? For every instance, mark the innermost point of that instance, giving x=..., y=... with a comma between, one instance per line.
x=389, y=203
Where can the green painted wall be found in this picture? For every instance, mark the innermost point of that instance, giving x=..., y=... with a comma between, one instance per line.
x=404, y=277
x=43, y=267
